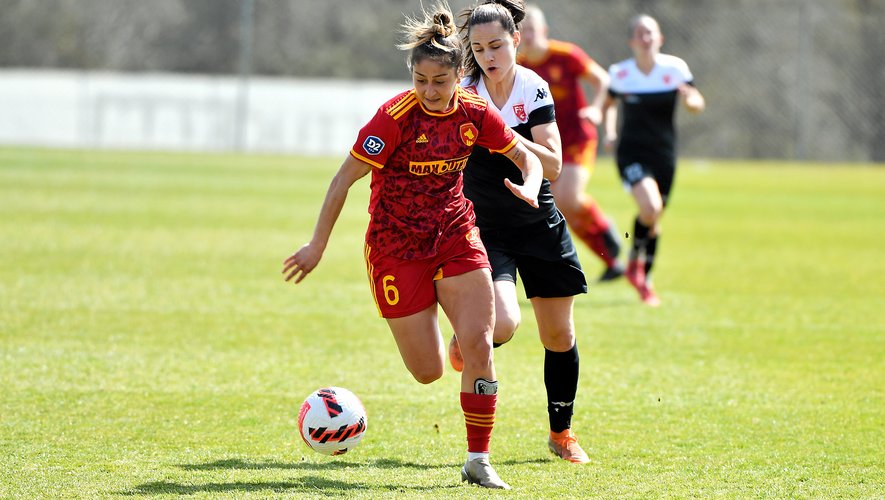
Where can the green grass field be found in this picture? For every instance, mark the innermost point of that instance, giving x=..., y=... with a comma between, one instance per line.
x=149, y=347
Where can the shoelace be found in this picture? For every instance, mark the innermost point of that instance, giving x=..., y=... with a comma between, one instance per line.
x=567, y=440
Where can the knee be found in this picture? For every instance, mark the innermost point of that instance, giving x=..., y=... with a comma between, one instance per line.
x=477, y=350
x=505, y=327
x=558, y=340
x=427, y=375
x=650, y=214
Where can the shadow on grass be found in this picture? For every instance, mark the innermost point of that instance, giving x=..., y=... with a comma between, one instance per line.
x=384, y=463
x=310, y=483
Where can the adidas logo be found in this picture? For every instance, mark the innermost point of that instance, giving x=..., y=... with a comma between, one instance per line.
x=421, y=140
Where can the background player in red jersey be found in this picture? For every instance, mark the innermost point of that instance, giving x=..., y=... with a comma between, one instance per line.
x=564, y=66
x=649, y=85
x=422, y=245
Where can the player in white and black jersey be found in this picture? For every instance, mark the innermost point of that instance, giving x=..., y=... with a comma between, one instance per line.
x=536, y=242
x=648, y=86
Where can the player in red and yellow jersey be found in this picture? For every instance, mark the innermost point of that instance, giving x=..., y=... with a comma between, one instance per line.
x=422, y=245
x=564, y=65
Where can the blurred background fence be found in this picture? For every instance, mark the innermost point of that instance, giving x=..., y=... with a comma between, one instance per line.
x=784, y=79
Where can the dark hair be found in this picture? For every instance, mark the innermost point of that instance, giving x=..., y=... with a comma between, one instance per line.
x=433, y=37
x=507, y=12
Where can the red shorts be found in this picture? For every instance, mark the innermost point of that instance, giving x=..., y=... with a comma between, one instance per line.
x=582, y=155
x=404, y=287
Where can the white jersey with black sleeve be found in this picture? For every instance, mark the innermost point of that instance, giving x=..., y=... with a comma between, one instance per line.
x=530, y=104
x=648, y=108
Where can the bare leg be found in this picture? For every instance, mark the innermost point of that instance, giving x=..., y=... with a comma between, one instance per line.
x=420, y=344
x=507, y=313
x=469, y=303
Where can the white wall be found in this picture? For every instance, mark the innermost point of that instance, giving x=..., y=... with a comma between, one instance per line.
x=180, y=112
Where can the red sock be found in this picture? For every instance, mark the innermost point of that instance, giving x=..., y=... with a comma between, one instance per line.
x=479, y=415
x=590, y=228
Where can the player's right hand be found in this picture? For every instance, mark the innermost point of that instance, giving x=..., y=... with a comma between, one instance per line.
x=299, y=264
x=526, y=194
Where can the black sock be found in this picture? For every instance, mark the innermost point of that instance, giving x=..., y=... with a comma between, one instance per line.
x=561, y=380
x=651, y=246
x=640, y=237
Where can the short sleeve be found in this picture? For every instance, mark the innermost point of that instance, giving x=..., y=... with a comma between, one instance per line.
x=580, y=63
x=494, y=134
x=537, y=92
x=376, y=140
x=682, y=67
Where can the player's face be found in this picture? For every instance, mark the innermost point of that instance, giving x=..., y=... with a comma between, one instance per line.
x=495, y=50
x=532, y=32
x=435, y=84
x=647, y=37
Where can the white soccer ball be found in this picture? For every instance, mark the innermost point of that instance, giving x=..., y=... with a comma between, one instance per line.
x=332, y=421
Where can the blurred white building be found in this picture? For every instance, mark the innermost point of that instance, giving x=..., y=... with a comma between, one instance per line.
x=181, y=112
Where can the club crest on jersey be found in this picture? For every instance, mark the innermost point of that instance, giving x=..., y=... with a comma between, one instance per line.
x=373, y=145
x=469, y=133
x=555, y=73
x=519, y=109
x=473, y=237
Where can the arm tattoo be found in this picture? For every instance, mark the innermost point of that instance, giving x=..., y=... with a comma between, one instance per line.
x=516, y=155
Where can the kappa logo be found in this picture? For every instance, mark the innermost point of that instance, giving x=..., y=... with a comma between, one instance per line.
x=373, y=145
x=422, y=139
x=542, y=94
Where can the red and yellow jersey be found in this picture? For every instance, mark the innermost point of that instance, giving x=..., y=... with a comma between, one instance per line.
x=562, y=68
x=417, y=201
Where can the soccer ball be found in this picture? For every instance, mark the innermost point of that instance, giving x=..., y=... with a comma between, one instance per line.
x=332, y=420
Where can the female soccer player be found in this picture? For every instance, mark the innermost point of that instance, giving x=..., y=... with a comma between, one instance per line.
x=518, y=238
x=422, y=246
x=565, y=66
x=648, y=85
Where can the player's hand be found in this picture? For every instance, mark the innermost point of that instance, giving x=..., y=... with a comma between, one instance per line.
x=609, y=144
x=592, y=114
x=299, y=264
x=692, y=98
x=527, y=194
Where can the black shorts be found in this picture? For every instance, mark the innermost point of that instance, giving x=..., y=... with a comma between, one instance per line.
x=634, y=169
x=542, y=252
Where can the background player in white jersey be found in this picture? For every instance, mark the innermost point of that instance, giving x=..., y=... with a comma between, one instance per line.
x=533, y=241
x=649, y=85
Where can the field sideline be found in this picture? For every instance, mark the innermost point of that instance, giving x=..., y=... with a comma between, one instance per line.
x=149, y=347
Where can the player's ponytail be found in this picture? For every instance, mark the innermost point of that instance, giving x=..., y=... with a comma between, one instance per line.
x=507, y=12
x=433, y=37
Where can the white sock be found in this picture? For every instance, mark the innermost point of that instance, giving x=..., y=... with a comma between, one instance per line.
x=473, y=455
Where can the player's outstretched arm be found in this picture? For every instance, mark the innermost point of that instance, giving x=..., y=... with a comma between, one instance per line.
x=692, y=98
x=532, y=174
x=600, y=80
x=547, y=146
x=610, y=123
x=297, y=266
